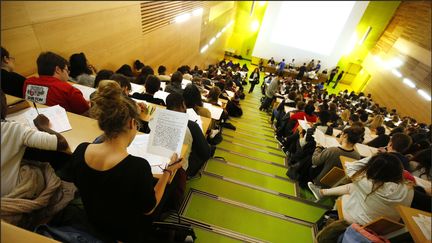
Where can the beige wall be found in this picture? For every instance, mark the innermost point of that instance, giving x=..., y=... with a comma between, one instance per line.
x=408, y=38
x=109, y=33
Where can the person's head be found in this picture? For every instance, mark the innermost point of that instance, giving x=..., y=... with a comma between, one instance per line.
x=377, y=121
x=213, y=94
x=423, y=158
x=292, y=95
x=78, y=65
x=102, y=75
x=138, y=65
x=301, y=105
x=117, y=115
x=161, y=70
x=256, y=70
x=175, y=102
x=399, y=142
x=324, y=117
x=283, y=60
x=126, y=70
x=380, y=130
x=381, y=168
x=192, y=96
x=123, y=81
x=309, y=109
x=142, y=77
x=364, y=117
x=51, y=64
x=332, y=107
x=354, y=118
x=152, y=84
x=177, y=77
x=351, y=135
x=3, y=106
x=292, y=60
x=8, y=62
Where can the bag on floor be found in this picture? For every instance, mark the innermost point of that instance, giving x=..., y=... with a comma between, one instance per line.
x=357, y=234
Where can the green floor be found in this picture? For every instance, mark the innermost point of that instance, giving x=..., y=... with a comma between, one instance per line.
x=244, y=191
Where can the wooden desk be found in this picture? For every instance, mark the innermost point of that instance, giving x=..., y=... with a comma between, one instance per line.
x=12, y=234
x=15, y=104
x=11, y=100
x=406, y=214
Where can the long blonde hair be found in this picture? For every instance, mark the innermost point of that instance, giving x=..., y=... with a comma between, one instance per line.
x=377, y=121
x=345, y=115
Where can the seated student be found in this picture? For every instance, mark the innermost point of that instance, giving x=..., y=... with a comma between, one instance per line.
x=125, y=70
x=192, y=99
x=161, y=74
x=120, y=196
x=138, y=66
x=80, y=71
x=102, y=75
x=123, y=81
x=323, y=123
x=11, y=82
x=308, y=113
x=152, y=85
x=376, y=189
x=51, y=87
x=176, y=83
x=16, y=137
x=324, y=159
x=381, y=140
x=199, y=151
x=142, y=77
x=399, y=143
x=213, y=98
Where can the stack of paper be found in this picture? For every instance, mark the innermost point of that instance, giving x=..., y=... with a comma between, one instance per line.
x=57, y=116
x=304, y=124
x=325, y=140
x=136, y=88
x=161, y=95
x=424, y=223
x=215, y=111
x=364, y=150
x=193, y=116
x=86, y=91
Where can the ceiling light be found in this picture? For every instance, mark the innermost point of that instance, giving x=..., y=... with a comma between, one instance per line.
x=212, y=41
x=218, y=34
x=254, y=25
x=424, y=94
x=409, y=82
x=204, y=48
x=396, y=73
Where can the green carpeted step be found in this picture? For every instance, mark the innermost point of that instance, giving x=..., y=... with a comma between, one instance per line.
x=265, y=133
x=252, y=178
x=251, y=152
x=264, y=143
x=246, y=221
x=204, y=236
x=249, y=135
x=264, y=200
x=266, y=130
x=254, y=146
x=254, y=164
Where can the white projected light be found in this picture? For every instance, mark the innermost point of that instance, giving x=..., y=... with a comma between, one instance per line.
x=318, y=32
x=409, y=82
x=424, y=94
x=197, y=12
x=182, y=18
x=254, y=25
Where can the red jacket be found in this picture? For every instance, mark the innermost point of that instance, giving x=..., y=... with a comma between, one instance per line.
x=300, y=116
x=52, y=91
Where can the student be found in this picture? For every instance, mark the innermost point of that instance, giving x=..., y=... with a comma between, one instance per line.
x=333, y=73
x=308, y=113
x=199, y=151
x=123, y=81
x=254, y=79
x=152, y=85
x=192, y=99
x=271, y=90
x=381, y=140
x=317, y=67
x=80, y=71
x=324, y=159
x=138, y=66
x=142, y=77
x=125, y=70
x=161, y=74
x=102, y=75
x=11, y=83
x=399, y=143
x=375, y=191
x=271, y=62
x=291, y=65
x=16, y=138
x=281, y=66
x=176, y=83
x=118, y=191
x=301, y=72
x=51, y=87
x=310, y=65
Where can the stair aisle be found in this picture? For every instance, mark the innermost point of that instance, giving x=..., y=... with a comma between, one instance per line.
x=243, y=194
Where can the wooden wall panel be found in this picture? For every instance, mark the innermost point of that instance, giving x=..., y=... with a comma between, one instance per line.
x=109, y=33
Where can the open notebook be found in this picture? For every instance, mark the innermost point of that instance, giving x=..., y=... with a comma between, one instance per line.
x=168, y=129
x=57, y=115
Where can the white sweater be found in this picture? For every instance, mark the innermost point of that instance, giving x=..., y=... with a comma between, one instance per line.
x=15, y=137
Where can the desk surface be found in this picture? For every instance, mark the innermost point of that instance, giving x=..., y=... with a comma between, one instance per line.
x=12, y=234
x=406, y=214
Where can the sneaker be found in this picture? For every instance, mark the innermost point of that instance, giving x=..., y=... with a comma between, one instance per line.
x=229, y=126
x=315, y=190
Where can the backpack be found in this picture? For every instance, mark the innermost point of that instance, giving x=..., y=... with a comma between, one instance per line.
x=357, y=234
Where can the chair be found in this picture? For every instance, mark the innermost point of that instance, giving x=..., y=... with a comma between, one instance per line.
x=334, y=177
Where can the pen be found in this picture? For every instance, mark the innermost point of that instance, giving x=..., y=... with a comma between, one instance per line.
x=177, y=161
x=34, y=104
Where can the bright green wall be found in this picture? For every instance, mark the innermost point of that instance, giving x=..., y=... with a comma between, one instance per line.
x=243, y=38
x=377, y=15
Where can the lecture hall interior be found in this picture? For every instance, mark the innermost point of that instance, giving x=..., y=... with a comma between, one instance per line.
x=216, y=121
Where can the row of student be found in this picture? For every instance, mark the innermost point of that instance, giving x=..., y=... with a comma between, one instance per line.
x=379, y=182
